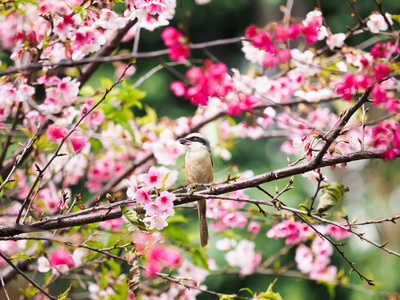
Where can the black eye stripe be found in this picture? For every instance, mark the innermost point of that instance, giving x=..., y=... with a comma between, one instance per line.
x=197, y=139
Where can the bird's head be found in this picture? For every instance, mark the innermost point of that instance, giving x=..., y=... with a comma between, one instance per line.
x=195, y=141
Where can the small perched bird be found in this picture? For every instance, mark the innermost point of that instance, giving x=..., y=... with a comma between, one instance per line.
x=199, y=169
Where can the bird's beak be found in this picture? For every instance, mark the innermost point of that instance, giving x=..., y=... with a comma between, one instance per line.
x=183, y=141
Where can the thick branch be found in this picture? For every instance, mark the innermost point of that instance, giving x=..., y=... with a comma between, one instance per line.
x=10, y=229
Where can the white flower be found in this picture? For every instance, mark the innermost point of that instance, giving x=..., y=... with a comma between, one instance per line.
x=377, y=22
x=77, y=256
x=225, y=244
x=341, y=65
x=304, y=61
x=297, y=143
x=253, y=54
x=43, y=264
x=335, y=40
x=222, y=152
x=313, y=176
x=322, y=33
x=189, y=270
x=156, y=221
x=243, y=256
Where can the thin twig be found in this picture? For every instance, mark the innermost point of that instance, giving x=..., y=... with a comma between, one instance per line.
x=26, y=277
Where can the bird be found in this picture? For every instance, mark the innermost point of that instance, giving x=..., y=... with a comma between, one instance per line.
x=199, y=169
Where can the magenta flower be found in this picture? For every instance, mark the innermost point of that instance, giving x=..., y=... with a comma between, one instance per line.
x=381, y=71
x=171, y=36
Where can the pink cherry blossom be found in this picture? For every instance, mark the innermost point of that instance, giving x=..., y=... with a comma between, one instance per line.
x=178, y=52
x=281, y=34
x=379, y=94
x=155, y=222
x=56, y=132
x=381, y=71
x=178, y=88
x=244, y=257
x=335, y=41
x=304, y=259
x=270, y=61
x=61, y=257
x=253, y=227
x=337, y=232
x=143, y=197
x=153, y=179
x=165, y=202
x=377, y=23
x=171, y=36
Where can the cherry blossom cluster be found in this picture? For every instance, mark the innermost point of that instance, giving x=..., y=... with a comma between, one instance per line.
x=240, y=254
x=159, y=257
x=173, y=39
x=60, y=31
x=157, y=210
x=313, y=260
x=386, y=137
x=211, y=80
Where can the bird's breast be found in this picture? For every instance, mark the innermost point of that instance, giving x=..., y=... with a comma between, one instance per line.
x=198, y=167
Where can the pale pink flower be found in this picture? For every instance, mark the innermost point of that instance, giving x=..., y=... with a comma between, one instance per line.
x=189, y=270
x=235, y=219
x=335, y=40
x=43, y=264
x=304, y=259
x=321, y=247
x=155, y=221
x=225, y=244
x=254, y=227
x=337, y=232
x=327, y=274
x=377, y=23
x=244, y=257
x=313, y=176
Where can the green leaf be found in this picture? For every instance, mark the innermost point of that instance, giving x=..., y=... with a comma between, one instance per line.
x=95, y=144
x=396, y=18
x=29, y=291
x=199, y=259
x=64, y=295
x=87, y=90
x=331, y=196
x=178, y=234
x=131, y=215
x=106, y=83
x=114, y=266
x=269, y=294
x=20, y=255
x=248, y=290
x=227, y=297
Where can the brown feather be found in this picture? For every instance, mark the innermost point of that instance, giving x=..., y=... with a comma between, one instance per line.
x=199, y=169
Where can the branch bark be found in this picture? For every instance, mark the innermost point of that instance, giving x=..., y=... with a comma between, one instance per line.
x=51, y=223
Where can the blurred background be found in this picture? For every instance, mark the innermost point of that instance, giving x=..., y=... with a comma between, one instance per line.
x=374, y=185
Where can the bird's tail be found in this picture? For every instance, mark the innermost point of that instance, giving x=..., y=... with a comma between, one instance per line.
x=203, y=222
